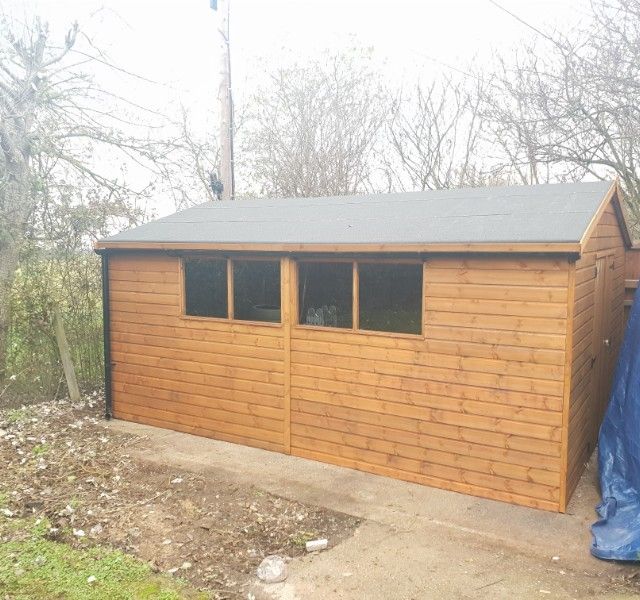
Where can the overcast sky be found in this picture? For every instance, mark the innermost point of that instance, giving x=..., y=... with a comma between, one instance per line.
x=175, y=42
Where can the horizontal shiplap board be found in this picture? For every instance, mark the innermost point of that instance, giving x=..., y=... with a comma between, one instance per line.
x=513, y=277
x=254, y=402
x=200, y=357
x=245, y=380
x=302, y=421
x=179, y=331
x=208, y=345
x=149, y=277
x=451, y=474
x=442, y=388
x=529, y=263
x=229, y=372
x=459, y=341
x=435, y=428
x=221, y=328
x=196, y=426
x=432, y=359
x=538, y=294
x=301, y=435
x=505, y=322
x=428, y=373
x=441, y=402
x=187, y=404
x=517, y=308
x=146, y=287
x=463, y=488
x=429, y=414
x=148, y=263
x=496, y=337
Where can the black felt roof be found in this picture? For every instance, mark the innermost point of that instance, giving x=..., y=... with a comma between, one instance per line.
x=549, y=213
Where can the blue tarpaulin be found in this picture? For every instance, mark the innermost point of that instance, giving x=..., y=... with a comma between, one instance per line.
x=616, y=536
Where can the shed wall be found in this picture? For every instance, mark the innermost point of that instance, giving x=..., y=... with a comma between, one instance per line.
x=212, y=378
x=476, y=406
x=588, y=396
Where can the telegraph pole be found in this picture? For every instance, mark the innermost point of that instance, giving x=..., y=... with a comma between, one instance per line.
x=226, y=169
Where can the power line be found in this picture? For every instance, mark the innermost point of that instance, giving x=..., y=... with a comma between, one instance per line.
x=445, y=65
x=522, y=21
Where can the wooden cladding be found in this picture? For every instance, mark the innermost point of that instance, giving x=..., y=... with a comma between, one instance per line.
x=597, y=328
x=221, y=379
x=475, y=406
x=496, y=397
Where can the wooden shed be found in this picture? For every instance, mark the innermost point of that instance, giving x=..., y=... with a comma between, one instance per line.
x=463, y=339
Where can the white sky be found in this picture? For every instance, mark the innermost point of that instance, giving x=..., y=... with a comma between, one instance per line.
x=175, y=42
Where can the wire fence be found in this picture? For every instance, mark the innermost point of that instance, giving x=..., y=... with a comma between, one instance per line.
x=73, y=284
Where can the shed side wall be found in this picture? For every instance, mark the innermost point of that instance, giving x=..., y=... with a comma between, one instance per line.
x=475, y=407
x=584, y=419
x=212, y=378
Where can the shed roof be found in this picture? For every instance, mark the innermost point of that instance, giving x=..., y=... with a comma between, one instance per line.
x=544, y=216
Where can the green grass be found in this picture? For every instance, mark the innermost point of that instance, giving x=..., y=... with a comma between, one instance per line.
x=301, y=538
x=20, y=415
x=35, y=567
x=40, y=449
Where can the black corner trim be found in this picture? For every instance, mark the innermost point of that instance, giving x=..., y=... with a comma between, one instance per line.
x=106, y=323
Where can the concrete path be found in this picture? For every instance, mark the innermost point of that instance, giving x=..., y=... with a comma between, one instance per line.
x=416, y=542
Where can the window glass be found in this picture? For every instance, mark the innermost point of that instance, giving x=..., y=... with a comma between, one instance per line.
x=390, y=297
x=256, y=290
x=325, y=292
x=205, y=283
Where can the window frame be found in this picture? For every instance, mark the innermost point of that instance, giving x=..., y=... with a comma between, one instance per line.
x=355, y=283
x=230, y=318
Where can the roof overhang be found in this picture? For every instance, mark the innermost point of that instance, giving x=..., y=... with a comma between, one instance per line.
x=481, y=248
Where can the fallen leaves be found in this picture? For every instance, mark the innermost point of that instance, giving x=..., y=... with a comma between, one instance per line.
x=64, y=465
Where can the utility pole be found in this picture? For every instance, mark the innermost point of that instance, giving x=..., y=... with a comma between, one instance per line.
x=226, y=168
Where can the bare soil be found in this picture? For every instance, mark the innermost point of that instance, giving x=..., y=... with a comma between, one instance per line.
x=61, y=463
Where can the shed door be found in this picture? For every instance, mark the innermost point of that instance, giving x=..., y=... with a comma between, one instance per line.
x=601, y=342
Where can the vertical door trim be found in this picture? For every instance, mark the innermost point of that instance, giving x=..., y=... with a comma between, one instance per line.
x=287, y=296
x=566, y=396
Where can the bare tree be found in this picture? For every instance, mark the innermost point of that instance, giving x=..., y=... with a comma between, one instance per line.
x=567, y=107
x=433, y=136
x=54, y=121
x=514, y=132
x=311, y=129
x=193, y=166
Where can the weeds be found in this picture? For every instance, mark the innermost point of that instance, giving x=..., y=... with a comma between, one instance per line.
x=19, y=415
x=32, y=566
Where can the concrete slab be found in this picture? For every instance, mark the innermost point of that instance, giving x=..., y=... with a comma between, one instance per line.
x=416, y=542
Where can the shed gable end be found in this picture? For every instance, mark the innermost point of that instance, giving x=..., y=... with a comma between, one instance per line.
x=596, y=331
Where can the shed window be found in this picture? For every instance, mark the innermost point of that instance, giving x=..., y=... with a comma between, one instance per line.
x=390, y=297
x=325, y=294
x=205, y=287
x=256, y=290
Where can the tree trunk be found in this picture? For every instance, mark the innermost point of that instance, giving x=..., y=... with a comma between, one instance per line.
x=8, y=266
x=16, y=204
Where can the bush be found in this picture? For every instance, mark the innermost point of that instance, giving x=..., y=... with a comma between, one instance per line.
x=73, y=283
